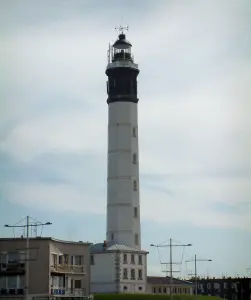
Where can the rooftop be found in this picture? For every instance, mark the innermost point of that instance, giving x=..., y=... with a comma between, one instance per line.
x=101, y=248
x=166, y=280
x=43, y=239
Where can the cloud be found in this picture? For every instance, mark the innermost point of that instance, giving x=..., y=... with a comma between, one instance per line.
x=194, y=120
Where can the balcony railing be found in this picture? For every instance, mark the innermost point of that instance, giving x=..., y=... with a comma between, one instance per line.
x=12, y=268
x=68, y=291
x=68, y=268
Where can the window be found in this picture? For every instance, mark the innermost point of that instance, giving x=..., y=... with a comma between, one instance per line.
x=135, y=212
x=3, y=282
x=134, y=131
x=125, y=259
x=140, y=260
x=112, y=236
x=3, y=257
x=164, y=290
x=140, y=275
x=132, y=259
x=125, y=287
x=125, y=274
x=134, y=160
x=66, y=259
x=12, y=257
x=154, y=290
x=21, y=282
x=78, y=260
x=78, y=284
x=159, y=290
x=54, y=259
x=135, y=185
x=140, y=288
x=136, y=239
x=61, y=282
x=12, y=282
x=92, y=260
x=22, y=256
x=132, y=274
x=60, y=259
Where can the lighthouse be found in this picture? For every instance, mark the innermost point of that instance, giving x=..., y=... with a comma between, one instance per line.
x=118, y=264
x=123, y=204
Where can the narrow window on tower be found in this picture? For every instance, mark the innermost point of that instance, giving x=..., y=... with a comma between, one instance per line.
x=135, y=212
x=134, y=131
x=112, y=236
x=135, y=185
x=134, y=160
x=107, y=87
x=136, y=239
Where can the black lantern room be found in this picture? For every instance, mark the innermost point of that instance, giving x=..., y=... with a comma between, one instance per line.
x=122, y=72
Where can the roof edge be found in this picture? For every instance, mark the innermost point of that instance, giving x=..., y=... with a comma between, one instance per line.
x=46, y=239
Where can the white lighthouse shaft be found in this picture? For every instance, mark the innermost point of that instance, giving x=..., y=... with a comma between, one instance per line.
x=123, y=207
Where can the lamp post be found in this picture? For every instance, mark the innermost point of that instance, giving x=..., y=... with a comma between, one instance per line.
x=171, y=245
x=27, y=226
x=195, y=260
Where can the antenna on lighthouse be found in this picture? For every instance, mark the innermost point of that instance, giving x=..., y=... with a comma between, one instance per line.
x=121, y=29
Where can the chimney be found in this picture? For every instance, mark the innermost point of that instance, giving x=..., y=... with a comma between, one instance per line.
x=105, y=244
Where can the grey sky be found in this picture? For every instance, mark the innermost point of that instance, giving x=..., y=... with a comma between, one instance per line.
x=194, y=109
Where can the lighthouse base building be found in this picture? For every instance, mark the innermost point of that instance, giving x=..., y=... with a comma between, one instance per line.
x=118, y=269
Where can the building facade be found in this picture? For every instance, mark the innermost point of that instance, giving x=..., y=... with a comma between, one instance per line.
x=118, y=269
x=123, y=205
x=161, y=285
x=238, y=288
x=53, y=267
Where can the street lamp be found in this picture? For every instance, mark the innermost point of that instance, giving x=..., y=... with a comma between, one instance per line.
x=171, y=263
x=195, y=260
x=27, y=226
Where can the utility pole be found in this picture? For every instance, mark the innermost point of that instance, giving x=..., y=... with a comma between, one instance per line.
x=171, y=245
x=27, y=257
x=195, y=260
x=27, y=226
x=171, y=269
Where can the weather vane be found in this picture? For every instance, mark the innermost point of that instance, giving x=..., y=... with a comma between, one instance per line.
x=122, y=28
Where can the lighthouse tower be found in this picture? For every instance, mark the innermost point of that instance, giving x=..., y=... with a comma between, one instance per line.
x=123, y=205
x=119, y=265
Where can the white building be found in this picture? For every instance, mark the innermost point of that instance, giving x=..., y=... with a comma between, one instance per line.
x=118, y=269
